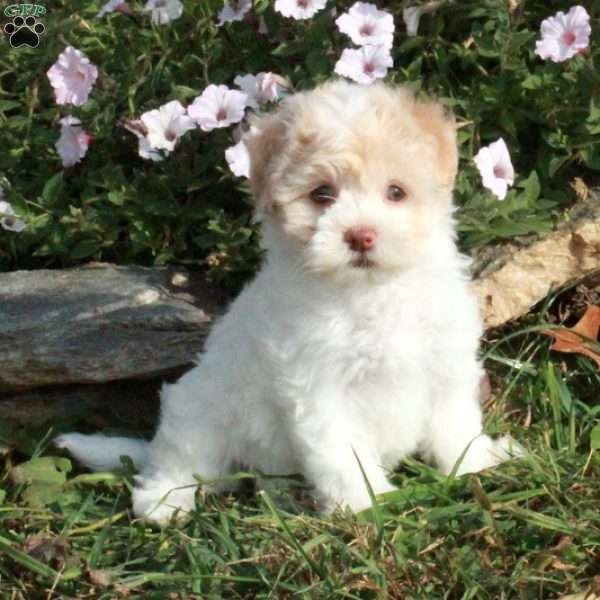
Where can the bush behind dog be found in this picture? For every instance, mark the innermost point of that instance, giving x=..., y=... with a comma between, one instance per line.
x=189, y=209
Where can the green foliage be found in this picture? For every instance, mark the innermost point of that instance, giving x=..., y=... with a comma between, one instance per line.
x=529, y=529
x=189, y=209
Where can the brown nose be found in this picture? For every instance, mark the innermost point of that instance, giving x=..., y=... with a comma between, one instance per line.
x=360, y=239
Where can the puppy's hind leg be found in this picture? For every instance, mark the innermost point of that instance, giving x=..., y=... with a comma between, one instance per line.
x=192, y=439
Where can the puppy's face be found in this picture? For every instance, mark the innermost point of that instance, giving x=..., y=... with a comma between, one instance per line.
x=357, y=179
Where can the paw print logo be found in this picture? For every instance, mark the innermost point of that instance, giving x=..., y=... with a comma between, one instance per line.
x=24, y=32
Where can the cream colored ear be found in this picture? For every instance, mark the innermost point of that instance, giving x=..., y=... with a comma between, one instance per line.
x=265, y=142
x=440, y=124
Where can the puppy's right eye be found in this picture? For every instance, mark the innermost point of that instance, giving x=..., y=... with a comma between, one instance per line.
x=323, y=195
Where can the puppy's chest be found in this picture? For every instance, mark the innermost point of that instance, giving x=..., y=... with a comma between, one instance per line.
x=367, y=342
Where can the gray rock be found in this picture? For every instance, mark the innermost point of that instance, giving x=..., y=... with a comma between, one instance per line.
x=129, y=403
x=100, y=323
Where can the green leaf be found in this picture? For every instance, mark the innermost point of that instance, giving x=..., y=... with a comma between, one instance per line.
x=532, y=187
x=17, y=122
x=532, y=82
x=42, y=494
x=8, y=105
x=595, y=438
x=44, y=477
x=184, y=92
x=53, y=188
x=291, y=48
x=317, y=63
x=518, y=39
x=591, y=157
x=117, y=198
x=556, y=163
x=46, y=469
x=505, y=228
x=593, y=120
x=84, y=249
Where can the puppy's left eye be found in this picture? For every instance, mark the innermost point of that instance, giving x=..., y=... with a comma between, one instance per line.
x=395, y=193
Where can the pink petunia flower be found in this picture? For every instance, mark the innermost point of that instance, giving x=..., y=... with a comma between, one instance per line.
x=234, y=11
x=367, y=25
x=563, y=36
x=114, y=5
x=72, y=145
x=238, y=159
x=163, y=11
x=495, y=167
x=260, y=88
x=218, y=106
x=299, y=9
x=72, y=77
x=364, y=65
x=165, y=125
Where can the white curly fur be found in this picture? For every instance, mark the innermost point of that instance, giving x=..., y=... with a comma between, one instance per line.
x=319, y=358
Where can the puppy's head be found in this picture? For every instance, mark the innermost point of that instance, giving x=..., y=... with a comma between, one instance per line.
x=356, y=181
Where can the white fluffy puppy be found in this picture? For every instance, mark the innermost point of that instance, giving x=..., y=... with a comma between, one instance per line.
x=359, y=336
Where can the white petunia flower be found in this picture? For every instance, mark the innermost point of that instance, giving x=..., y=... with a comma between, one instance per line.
x=364, y=65
x=72, y=145
x=238, y=159
x=299, y=9
x=262, y=26
x=563, y=36
x=234, y=11
x=411, y=16
x=495, y=167
x=8, y=218
x=72, y=77
x=367, y=25
x=263, y=87
x=165, y=125
x=218, y=106
x=145, y=149
x=147, y=152
x=163, y=11
x=112, y=5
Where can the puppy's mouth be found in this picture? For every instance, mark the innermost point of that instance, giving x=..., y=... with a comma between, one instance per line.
x=362, y=262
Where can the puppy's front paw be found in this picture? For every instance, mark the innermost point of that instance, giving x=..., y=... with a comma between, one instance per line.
x=356, y=500
x=157, y=501
x=484, y=452
x=508, y=448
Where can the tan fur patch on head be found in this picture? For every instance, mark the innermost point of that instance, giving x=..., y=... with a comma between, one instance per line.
x=265, y=140
x=436, y=121
x=312, y=137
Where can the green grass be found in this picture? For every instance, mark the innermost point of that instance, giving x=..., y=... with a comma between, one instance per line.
x=529, y=529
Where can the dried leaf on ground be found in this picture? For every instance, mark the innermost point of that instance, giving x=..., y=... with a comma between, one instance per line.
x=576, y=339
x=511, y=278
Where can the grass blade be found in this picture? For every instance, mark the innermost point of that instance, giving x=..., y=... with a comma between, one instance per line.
x=25, y=560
